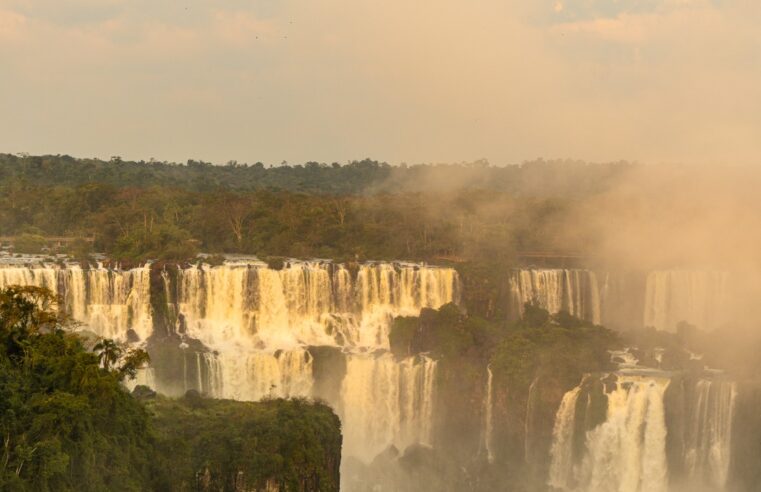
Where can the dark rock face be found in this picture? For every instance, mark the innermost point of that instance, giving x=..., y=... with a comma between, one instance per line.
x=142, y=392
x=328, y=369
x=745, y=467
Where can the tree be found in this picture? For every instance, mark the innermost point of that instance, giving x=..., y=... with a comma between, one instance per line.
x=123, y=363
x=66, y=423
x=108, y=352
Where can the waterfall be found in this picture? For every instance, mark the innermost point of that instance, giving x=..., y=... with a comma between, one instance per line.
x=528, y=421
x=575, y=291
x=707, y=440
x=488, y=412
x=561, y=452
x=384, y=403
x=255, y=325
x=626, y=452
x=109, y=302
x=306, y=303
x=258, y=321
x=697, y=297
x=659, y=299
x=259, y=374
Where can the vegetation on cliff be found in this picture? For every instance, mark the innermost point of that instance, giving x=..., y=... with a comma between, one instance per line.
x=205, y=444
x=533, y=360
x=68, y=423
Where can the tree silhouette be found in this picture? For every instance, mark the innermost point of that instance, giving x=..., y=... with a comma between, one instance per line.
x=108, y=352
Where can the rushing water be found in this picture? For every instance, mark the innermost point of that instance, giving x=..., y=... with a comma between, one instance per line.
x=574, y=291
x=697, y=297
x=659, y=299
x=257, y=323
x=562, y=466
x=108, y=301
x=627, y=451
x=306, y=303
x=708, y=433
x=488, y=417
x=246, y=331
x=384, y=402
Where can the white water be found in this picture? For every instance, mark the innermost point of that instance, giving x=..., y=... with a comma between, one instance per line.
x=627, y=452
x=697, y=297
x=384, y=403
x=257, y=322
x=249, y=306
x=561, y=452
x=488, y=419
x=256, y=375
x=108, y=302
x=575, y=291
x=708, y=433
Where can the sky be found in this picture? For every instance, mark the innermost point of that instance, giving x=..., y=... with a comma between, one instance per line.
x=395, y=80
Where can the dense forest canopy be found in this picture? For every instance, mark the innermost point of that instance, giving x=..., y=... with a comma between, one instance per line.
x=530, y=178
x=370, y=210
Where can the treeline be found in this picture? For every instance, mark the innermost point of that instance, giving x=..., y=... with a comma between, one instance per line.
x=366, y=176
x=174, y=224
x=68, y=424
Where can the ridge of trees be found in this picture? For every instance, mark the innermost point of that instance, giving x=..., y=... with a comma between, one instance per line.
x=361, y=176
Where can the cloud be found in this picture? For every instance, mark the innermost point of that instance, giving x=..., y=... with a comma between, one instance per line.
x=402, y=81
x=12, y=25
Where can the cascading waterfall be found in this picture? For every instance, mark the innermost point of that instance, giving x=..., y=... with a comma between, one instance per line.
x=258, y=321
x=528, y=420
x=697, y=297
x=575, y=291
x=306, y=303
x=561, y=452
x=384, y=403
x=627, y=452
x=109, y=302
x=488, y=419
x=259, y=374
x=707, y=440
x=659, y=299
x=255, y=324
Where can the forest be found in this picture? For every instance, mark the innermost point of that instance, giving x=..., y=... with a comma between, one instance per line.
x=362, y=210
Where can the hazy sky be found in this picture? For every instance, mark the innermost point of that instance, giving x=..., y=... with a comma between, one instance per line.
x=396, y=80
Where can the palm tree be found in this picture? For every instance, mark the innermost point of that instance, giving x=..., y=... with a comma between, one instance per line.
x=109, y=353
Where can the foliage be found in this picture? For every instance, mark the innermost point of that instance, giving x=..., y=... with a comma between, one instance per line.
x=364, y=210
x=550, y=177
x=66, y=422
x=227, y=445
x=29, y=243
x=556, y=347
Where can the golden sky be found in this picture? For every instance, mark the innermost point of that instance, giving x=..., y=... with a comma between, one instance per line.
x=401, y=81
